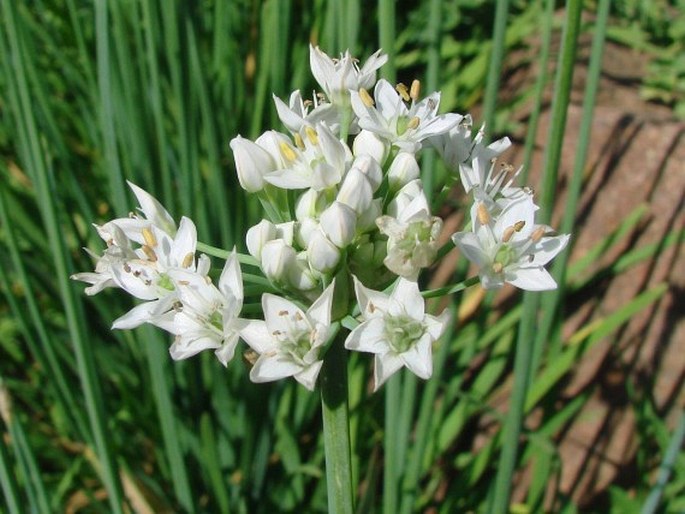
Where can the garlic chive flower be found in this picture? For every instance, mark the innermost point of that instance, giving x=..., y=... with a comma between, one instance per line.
x=390, y=118
x=207, y=317
x=396, y=329
x=290, y=339
x=511, y=248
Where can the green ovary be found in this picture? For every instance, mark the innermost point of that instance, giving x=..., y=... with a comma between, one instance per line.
x=299, y=346
x=402, y=332
x=504, y=256
x=165, y=282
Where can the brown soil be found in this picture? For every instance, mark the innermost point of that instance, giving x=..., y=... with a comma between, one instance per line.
x=636, y=157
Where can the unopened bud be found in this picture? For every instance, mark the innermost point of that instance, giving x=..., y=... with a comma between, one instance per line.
x=258, y=235
x=338, y=223
x=323, y=255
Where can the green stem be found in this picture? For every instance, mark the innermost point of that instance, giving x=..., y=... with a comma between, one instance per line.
x=455, y=288
x=223, y=254
x=336, y=429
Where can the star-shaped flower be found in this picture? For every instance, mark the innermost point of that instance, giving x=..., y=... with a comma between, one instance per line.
x=390, y=118
x=208, y=315
x=396, y=329
x=289, y=339
x=511, y=248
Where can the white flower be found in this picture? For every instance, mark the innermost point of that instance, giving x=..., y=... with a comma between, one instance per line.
x=252, y=162
x=147, y=277
x=208, y=316
x=412, y=238
x=510, y=248
x=296, y=115
x=403, y=170
x=368, y=143
x=339, y=223
x=317, y=161
x=404, y=127
x=474, y=160
x=323, y=255
x=289, y=339
x=396, y=329
x=338, y=76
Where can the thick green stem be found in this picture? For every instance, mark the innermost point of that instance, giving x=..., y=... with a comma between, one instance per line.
x=336, y=430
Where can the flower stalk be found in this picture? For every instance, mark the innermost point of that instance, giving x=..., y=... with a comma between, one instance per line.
x=336, y=428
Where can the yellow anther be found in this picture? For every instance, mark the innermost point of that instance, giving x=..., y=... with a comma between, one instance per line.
x=483, y=214
x=150, y=253
x=403, y=91
x=287, y=151
x=414, y=122
x=508, y=232
x=299, y=142
x=312, y=135
x=518, y=226
x=537, y=234
x=298, y=316
x=365, y=97
x=187, y=260
x=415, y=90
x=149, y=237
x=497, y=267
x=506, y=167
x=283, y=313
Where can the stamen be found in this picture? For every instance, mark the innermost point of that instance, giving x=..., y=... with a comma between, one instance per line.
x=431, y=104
x=414, y=122
x=149, y=237
x=403, y=91
x=307, y=103
x=497, y=267
x=287, y=151
x=127, y=268
x=415, y=90
x=506, y=167
x=312, y=135
x=149, y=253
x=365, y=97
x=298, y=316
x=508, y=232
x=537, y=234
x=187, y=260
x=372, y=308
x=299, y=142
x=483, y=214
x=183, y=282
x=283, y=313
x=518, y=226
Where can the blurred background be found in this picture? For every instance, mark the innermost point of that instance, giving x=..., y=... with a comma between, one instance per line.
x=593, y=96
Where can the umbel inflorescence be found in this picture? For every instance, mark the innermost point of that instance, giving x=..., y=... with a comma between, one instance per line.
x=348, y=230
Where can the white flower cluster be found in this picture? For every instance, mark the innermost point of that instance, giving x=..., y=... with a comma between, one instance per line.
x=355, y=216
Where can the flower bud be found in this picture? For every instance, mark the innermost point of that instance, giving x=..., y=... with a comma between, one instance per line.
x=258, y=235
x=369, y=143
x=367, y=219
x=305, y=229
x=338, y=223
x=286, y=231
x=356, y=191
x=310, y=205
x=404, y=197
x=301, y=276
x=251, y=163
x=322, y=254
x=371, y=170
x=277, y=260
x=403, y=170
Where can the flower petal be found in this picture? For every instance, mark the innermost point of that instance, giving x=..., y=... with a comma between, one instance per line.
x=384, y=366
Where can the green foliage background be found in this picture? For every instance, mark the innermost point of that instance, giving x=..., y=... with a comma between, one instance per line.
x=95, y=93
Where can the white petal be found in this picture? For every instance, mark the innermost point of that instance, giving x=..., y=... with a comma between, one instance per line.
x=308, y=377
x=140, y=314
x=273, y=367
x=532, y=279
x=384, y=367
x=185, y=241
x=368, y=337
x=281, y=314
x=153, y=210
x=371, y=303
x=320, y=311
x=231, y=280
x=547, y=249
x=227, y=350
x=257, y=336
x=408, y=296
x=419, y=358
x=186, y=347
x=469, y=244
